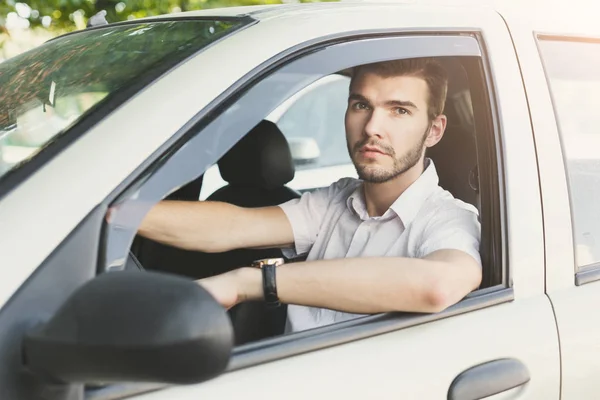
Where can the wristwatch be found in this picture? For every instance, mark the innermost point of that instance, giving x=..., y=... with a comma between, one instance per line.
x=268, y=266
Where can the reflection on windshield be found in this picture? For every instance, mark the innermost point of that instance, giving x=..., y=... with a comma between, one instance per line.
x=45, y=91
x=37, y=123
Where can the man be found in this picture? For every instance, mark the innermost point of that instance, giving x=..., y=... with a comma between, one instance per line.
x=392, y=240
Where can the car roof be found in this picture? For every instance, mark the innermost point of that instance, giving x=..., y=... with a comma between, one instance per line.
x=572, y=17
x=264, y=12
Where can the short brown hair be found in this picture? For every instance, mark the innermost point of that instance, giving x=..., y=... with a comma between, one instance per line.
x=428, y=69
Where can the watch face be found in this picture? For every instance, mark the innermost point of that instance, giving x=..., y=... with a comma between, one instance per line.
x=268, y=261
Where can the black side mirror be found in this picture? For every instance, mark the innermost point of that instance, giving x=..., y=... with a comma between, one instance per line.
x=133, y=327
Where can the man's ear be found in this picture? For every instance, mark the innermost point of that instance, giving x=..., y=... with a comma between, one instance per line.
x=436, y=132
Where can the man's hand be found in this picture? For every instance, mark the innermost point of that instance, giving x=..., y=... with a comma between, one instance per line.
x=110, y=213
x=234, y=287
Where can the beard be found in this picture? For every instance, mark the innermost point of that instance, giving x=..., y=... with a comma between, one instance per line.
x=373, y=173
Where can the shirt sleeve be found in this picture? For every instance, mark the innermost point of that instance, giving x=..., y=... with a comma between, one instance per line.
x=306, y=215
x=455, y=228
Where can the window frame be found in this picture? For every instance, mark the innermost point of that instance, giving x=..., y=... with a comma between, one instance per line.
x=201, y=130
x=589, y=272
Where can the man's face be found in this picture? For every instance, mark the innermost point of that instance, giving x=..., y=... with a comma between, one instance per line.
x=387, y=125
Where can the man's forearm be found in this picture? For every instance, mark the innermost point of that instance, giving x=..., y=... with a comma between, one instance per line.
x=372, y=285
x=215, y=226
x=192, y=226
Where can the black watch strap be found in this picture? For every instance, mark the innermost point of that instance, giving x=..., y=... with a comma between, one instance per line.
x=270, y=285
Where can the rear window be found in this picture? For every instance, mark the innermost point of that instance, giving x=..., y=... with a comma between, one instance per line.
x=572, y=67
x=48, y=90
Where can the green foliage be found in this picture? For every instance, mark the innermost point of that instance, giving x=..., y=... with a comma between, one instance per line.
x=68, y=14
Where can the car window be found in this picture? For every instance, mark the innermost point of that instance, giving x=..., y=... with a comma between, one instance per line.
x=573, y=72
x=45, y=91
x=318, y=113
x=257, y=182
x=312, y=121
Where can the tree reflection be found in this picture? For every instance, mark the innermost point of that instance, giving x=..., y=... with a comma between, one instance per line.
x=45, y=90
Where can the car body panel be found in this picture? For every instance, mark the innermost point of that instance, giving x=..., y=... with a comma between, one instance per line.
x=414, y=363
x=578, y=325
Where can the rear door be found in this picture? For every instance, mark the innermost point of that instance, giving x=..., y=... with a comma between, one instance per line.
x=562, y=73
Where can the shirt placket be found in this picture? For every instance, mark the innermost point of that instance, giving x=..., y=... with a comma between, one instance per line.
x=360, y=238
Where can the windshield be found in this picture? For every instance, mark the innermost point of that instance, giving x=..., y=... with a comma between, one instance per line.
x=46, y=91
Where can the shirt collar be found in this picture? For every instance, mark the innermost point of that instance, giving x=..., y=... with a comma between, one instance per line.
x=407, y=204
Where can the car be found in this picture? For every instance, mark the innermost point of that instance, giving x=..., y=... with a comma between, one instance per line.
x=233, y=105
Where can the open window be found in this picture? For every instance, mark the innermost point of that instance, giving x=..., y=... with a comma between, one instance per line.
x=252, y=152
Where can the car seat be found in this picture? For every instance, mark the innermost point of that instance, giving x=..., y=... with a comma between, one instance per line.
x=256, y=170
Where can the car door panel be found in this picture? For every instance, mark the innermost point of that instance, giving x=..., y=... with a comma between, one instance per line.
x=579, y=329
x=419, y=362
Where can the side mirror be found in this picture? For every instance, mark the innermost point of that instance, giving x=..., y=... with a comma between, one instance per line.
x=305, y=150
x=133, y=327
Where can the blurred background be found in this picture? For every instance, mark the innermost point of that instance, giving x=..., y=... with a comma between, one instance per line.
x=29, y=23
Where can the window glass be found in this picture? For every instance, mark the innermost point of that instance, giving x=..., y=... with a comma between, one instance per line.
x=46, y=90
x=312, y=121
x=573, y=72
x=318, y=113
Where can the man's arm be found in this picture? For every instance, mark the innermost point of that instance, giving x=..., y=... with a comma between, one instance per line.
x=215, y=226
x=360, y=285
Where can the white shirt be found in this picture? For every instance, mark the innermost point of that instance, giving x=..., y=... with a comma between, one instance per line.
x=333, y=222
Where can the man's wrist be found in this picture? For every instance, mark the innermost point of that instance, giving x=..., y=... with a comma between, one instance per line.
x=250, y=284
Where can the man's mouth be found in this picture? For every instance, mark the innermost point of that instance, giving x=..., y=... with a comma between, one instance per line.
x=371, y=150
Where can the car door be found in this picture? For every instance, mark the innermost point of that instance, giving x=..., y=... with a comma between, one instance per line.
x=560, y=66
x=501, y=340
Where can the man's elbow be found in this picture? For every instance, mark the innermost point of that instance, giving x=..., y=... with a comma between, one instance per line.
x=436, y=299
x=441, y=294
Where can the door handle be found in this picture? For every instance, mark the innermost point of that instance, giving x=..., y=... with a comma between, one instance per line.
x=488, y=379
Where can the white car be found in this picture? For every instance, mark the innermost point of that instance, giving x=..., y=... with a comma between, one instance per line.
x=246, y=105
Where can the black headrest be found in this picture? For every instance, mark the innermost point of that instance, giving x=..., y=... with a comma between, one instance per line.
x=261, y=158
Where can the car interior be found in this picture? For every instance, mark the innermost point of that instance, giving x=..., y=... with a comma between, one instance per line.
x=264, y=183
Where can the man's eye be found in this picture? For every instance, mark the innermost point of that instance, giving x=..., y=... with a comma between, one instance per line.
x=400, y=111
x=360, y=106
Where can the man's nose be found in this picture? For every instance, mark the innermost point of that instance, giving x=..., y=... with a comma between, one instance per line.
x=374, y=126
